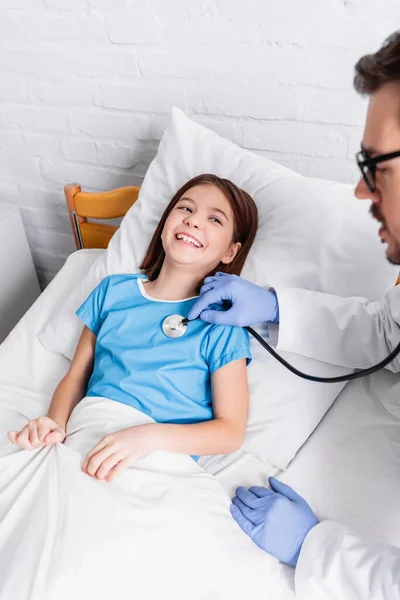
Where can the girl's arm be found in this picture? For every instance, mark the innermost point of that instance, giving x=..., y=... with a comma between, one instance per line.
x=223, y=434
x=72, y=388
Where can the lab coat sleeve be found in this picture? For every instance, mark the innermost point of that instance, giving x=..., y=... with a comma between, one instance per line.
x=349, y=332
x=336, y=564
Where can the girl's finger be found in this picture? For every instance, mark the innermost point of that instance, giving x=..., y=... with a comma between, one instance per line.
x=12, y=436
x=33, y=434
x=96, y=460
x=107, y=465
x=54, y=437
x=117, y=470
x=43, y=428
x=23, y=440
x=99, y=446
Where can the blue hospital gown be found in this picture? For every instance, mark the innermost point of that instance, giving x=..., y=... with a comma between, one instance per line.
x=137, y=364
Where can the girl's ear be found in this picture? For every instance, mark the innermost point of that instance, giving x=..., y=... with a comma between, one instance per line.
x=232, y=253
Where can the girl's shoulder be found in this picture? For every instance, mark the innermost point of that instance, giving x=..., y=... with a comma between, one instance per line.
x=120, y=278
x=118, y=285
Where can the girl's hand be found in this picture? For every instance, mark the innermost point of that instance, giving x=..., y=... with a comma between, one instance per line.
x=118, y=451
x=38, y=432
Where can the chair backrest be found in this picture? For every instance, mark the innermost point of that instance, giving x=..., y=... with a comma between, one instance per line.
x=91, y=205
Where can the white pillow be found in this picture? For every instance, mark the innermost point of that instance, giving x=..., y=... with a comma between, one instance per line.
x=312, y=234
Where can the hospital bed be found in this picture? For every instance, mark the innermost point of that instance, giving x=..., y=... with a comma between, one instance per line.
x=349, y=463
x=348, y=470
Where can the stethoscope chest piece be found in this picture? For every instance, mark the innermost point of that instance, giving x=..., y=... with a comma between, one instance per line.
x=173, y=327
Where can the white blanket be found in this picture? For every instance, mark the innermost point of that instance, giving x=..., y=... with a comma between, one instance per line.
x=162, y=530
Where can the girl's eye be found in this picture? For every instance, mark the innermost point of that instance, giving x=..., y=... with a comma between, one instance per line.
x=216, y=220
x=186, y=208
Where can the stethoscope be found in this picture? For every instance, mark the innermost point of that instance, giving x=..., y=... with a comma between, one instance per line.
x=175, y=326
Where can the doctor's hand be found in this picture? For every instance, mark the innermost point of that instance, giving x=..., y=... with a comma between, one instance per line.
x=37, y=433
x=251, y=304
x=119, y=450
x=277, y=520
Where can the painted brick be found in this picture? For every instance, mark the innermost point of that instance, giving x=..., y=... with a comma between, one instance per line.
x=62, y=29
x=79, y=150
x=43, y=239
x=18, y=168
x=182, y=8
x=100, y=123
x=11, y=28
x=68, y=64
x=27, y=117
x=359, y=34
x=43, y=145
x=42, y=197
x=131, y=30
x=73, y=5
x=47, y=219
x=124, y=156
x=9, y=192
x=13, y=90
x=294, y=138
x=148, y=97
x=33, y=5
x=283, y=10
x=97, y=178
x=64, y=94
x=12, y=144
x=167, y=63
x=210, y=31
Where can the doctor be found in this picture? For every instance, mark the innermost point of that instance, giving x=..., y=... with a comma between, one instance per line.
x=360, y=333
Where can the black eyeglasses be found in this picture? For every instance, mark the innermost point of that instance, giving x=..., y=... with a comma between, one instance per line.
x=367, y=166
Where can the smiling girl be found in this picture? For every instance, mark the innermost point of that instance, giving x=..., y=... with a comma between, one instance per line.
x=195, y=386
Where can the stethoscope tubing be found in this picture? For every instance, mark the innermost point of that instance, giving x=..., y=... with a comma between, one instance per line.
x=340, y=378
x=176, y=326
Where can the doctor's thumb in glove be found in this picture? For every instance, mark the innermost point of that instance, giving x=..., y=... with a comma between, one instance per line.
x=244, y=303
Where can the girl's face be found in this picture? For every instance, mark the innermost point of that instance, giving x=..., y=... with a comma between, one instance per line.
x=199, y=230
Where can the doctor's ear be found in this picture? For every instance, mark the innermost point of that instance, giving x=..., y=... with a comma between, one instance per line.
x=232, y=253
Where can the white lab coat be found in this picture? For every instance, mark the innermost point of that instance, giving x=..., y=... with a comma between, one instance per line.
x=335, y=563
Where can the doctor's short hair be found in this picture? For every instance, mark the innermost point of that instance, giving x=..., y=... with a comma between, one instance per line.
x=245, y=217
x=375, y=70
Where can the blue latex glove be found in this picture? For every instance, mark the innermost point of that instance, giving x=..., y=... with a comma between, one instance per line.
x=249, y=303
x=277, y=520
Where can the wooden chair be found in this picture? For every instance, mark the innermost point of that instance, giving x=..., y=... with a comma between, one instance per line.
x=91, y=205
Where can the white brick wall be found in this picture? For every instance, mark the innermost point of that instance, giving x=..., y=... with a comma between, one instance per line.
x=86, y=87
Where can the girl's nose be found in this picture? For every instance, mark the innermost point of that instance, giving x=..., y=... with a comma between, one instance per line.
x=191, y=221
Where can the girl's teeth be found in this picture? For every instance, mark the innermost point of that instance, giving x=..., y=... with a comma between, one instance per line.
x=188, y=241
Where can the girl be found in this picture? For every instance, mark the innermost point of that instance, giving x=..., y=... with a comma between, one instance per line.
x=195, y=386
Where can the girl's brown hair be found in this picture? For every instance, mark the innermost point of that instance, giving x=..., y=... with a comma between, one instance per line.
x=245, y=218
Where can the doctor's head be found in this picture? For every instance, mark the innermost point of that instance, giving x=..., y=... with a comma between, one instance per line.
x=209, y=225
x=378, y=76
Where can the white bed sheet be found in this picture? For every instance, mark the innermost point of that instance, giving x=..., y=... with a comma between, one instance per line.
x=349, y=470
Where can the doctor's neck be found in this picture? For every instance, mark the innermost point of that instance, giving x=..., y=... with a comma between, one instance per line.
x=175, y=282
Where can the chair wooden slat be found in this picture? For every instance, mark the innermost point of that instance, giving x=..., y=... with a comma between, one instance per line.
x=96, y=235
x=92, y=205
x=106, y=205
